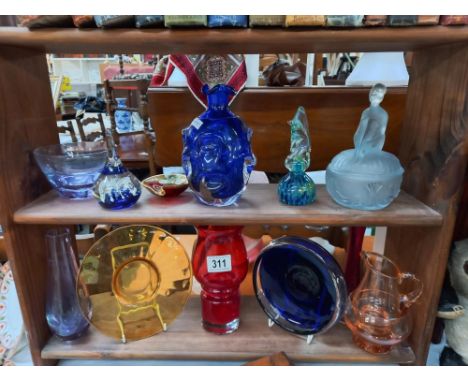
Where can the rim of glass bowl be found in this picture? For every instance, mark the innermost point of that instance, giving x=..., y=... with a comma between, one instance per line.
x=58, y=150
x=334, y=271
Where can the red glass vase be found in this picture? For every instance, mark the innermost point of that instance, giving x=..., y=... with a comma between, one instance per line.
x=220, y=264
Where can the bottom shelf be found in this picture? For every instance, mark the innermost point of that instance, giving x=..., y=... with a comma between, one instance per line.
x=186, y=339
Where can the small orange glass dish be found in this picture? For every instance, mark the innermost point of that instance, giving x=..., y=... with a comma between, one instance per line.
x=166, y=185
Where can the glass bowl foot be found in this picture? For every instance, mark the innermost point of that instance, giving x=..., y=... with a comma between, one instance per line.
x=228, y=328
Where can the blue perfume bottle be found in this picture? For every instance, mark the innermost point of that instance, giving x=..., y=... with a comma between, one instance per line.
x=296, y=188
x=217, y=156
x=117, y=187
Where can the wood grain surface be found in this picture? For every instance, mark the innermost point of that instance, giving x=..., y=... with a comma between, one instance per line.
x=26, y=122
x=277, y=359
x=186, y=339
x=333, y=115
x=132, y=150
x=3, y=256
x=461, y=224
x=258, y=205
x=433, y=152
x=258, y=40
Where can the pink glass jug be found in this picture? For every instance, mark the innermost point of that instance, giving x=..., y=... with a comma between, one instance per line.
x=377, y=311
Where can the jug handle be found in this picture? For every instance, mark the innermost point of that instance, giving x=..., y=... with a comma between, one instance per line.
x=408, y=299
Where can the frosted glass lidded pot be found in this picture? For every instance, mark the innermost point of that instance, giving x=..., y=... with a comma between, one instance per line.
x=366, y=177
x=217, y=155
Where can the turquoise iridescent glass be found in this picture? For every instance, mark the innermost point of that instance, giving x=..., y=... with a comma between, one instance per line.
x=296, y=188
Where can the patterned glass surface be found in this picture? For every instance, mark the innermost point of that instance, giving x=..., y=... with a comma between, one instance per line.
x=366, y=177
x=136, y=281
x=296, y=188
x=299, y=285
x=217, y=156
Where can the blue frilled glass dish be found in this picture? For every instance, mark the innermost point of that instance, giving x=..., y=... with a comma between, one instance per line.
x=299, y=285
x=217, y=156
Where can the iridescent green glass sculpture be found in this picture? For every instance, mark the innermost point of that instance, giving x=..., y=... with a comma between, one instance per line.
x=297, y=188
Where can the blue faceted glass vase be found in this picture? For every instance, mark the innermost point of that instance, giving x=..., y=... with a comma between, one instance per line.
x=217, y=155
x=299, y=285
x=116, y=188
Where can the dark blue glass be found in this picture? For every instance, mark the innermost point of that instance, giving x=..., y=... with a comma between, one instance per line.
x=299, y=285
x=217, y=156
x=116, y=188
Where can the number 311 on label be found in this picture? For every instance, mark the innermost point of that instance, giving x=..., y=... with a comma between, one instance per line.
x=216, y=264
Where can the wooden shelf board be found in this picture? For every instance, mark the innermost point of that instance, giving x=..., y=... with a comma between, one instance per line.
x=258, y=205
x=256, y=40
x=186, y=339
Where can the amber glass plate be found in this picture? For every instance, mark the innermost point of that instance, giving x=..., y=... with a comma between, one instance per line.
x=134, y=282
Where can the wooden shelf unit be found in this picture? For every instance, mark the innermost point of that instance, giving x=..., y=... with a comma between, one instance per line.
x=432, y=151
x=258, y=205
x=255, y=40
x=186, y=339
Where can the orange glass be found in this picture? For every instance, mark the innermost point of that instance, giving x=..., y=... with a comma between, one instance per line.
x=134, y=282
x=377, y=311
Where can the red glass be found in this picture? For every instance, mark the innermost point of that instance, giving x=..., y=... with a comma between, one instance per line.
x=353, y=263
x=220, y=264
x=169, y=190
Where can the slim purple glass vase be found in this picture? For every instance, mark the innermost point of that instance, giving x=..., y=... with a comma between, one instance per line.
x=63, y=312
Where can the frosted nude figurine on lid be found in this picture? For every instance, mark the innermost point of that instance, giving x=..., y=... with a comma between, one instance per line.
x=366, y=178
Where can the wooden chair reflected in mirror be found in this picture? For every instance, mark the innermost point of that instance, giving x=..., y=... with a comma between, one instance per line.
x=92, y=136
x=68, y=129
x=136, y=148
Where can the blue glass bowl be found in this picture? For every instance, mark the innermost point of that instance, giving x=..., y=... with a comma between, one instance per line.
x=299, y=285
x=72, y=168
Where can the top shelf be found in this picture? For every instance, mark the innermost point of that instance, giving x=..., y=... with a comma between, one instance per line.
x=256, y=40
x=258, y=205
